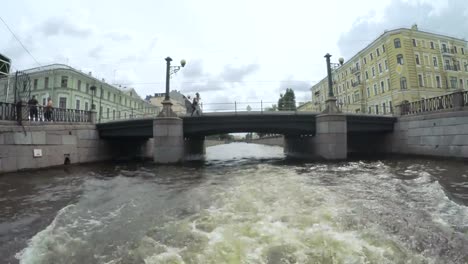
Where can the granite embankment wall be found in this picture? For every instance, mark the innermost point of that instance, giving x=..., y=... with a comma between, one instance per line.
x=272, y=141
x=58, y=143
x=442, y=134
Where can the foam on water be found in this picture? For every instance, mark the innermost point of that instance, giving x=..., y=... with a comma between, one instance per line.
x=258, y=212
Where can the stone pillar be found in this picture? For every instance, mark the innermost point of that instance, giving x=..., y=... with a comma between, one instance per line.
x=331, y=136
x=168, y=133
x=458, y=100
x=93, y=117
x=194, y=148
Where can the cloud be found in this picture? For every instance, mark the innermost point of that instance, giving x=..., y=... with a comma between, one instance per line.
x=447, y=20
x=194, y=69
x=96, y=52
x=118, y=36
x=296, y=85
x=63, y=26
x=237, y=74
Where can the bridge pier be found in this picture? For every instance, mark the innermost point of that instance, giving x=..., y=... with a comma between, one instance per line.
x=194, y=148
x=168, y=133
x=331, y=136
x=329, y=143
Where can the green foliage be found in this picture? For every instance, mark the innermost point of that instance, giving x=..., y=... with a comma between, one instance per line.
x=287, y=102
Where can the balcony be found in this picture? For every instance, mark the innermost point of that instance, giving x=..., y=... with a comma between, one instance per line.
x=355, y=70
x=355, y=84
x=452, y=67
x=447, y=51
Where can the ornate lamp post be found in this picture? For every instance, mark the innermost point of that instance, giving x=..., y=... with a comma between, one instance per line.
x=331, y=101
x=170, y=70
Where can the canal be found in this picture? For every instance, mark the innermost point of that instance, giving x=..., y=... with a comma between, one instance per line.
x=245, y=203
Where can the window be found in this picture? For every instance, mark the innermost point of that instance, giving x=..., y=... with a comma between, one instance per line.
x=86, y=106
x=380, y=67
x=390, y=106
x=388, y=84
x=6, y=88
x=100, y=112
x=399, y=59
x=384, y=109
x=376, y=109
x=25, y=85
x=369, y=109
x=382, y=86
x=367, y=75
x=365, y=60
x=378, y=52
x=44, y=101
x=375, y=89
x=108, y=96
x=113, y=113
x=420, y=80
x=371, y=56
x=386, y=65
x=397, y=43
x=455, y=49
x=64, y=82
x=417, y=59
x=414, y=43
x=46, y=82
x=403, y=84
x=35, y=84
x=438, y=81
x=77, y=104
x=87, y=88
x=463, y=51
x=461, y=84
x=426, y=60
x=368, y=92
x=453, y=82
x=383, y=48
x=444, y=47
x=347, y=85
x=432, y=45
x=434, y=61
x=373, y=71
x=108, y=113
x=79, y=85
x=62, y=102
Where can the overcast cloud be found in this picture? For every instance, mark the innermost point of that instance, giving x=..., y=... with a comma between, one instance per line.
x=235, y=50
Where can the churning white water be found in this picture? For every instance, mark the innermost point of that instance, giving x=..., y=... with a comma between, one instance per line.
x=247, y=204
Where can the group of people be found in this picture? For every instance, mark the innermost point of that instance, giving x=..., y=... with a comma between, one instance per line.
x=194, y=106
x=33, y=111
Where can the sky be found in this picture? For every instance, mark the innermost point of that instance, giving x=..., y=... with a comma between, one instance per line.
x=244, y=51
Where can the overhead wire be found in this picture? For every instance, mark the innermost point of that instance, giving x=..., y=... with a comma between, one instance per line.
x=21, y=43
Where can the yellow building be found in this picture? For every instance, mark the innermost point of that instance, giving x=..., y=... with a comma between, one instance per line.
x=400, y=65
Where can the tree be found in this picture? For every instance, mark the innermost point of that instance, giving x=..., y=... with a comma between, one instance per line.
x=287, y=102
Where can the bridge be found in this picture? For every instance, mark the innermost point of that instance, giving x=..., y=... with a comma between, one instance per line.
x=307, y=134
x=286, y=123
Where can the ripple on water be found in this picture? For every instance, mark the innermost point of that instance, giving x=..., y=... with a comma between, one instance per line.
x=258, y=212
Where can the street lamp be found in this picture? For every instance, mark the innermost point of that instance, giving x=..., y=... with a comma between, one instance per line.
x=331, y=101
x=170, y=70
x=93, y=89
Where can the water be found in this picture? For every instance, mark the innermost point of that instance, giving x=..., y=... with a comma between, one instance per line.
x=244, y=204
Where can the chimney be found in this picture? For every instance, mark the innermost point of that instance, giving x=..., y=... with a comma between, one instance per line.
x=90, y=73
x=103, y=80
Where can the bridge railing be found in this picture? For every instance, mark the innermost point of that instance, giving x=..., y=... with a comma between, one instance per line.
x=23, y=112
x=239, y=106
x=452, y=101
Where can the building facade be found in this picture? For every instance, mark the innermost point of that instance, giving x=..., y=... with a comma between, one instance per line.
x=179, y=101
x=70, y=88
x=400, y=65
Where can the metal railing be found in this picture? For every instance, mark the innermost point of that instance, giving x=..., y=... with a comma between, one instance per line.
x=452, y=67
x=355, y=70
x=237, y=107
x=438, y=103
x=447, y=50
x=25, y=112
